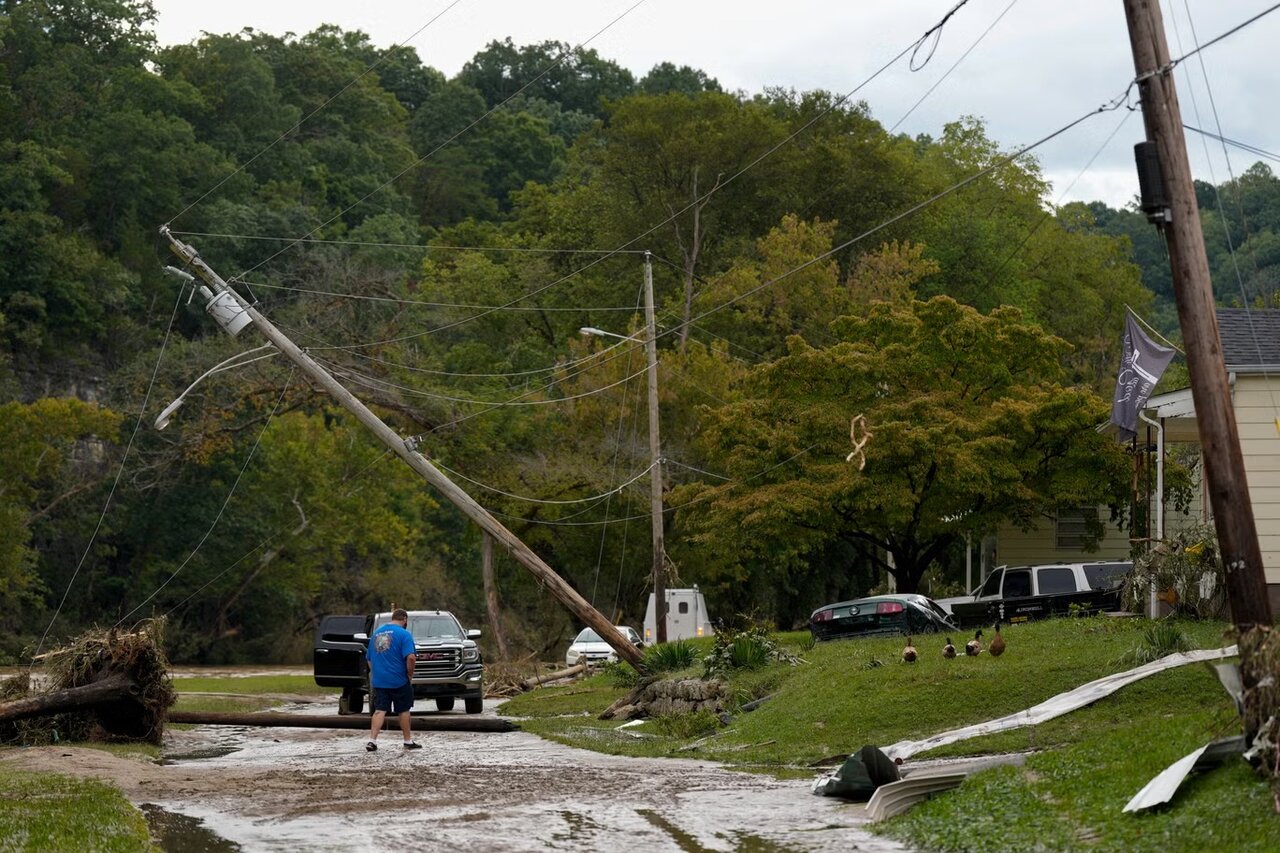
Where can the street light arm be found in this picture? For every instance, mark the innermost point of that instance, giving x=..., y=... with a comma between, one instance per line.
x=592, y=330
x=162, y=420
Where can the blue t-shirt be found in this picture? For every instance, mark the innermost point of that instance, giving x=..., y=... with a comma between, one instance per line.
x=388, y=647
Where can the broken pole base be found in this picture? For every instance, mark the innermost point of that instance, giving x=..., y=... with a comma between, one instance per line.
x=354, y=721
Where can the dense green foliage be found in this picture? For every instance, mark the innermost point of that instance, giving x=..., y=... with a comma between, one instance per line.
x=263, y=506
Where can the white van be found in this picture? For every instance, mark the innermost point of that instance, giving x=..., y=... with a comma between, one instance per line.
x=687, y=616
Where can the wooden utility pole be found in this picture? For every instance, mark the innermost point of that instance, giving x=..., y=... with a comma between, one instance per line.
x=1215, y=416
x=655, y=457
x=406, y=450
x=491, y=595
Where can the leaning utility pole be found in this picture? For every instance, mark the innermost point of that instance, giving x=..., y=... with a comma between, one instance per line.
x=1215, y=416
x=655, y=458
x=406, y=450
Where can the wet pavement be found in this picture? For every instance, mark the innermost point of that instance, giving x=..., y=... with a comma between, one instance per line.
x=292, y=789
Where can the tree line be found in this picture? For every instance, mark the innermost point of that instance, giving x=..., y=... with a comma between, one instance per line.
x=459, y=231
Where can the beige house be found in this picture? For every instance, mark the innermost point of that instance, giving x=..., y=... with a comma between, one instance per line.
x=1251, y=349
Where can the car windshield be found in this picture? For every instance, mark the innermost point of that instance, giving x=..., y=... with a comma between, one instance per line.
x=588, y=636
x=431, y=627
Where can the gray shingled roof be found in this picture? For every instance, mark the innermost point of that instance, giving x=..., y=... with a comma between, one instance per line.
x=1249, y=338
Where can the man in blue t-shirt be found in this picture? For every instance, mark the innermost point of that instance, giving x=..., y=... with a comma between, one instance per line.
x=391, y=659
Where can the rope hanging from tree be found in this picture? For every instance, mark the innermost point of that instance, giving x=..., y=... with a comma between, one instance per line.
x=858, y=423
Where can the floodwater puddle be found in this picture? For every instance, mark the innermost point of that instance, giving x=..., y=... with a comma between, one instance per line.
x=179, y=833
x=196, y=754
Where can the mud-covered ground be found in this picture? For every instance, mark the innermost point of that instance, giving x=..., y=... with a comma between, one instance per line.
x=318, y=790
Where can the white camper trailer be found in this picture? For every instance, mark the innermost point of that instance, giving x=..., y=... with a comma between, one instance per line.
x=687, y=616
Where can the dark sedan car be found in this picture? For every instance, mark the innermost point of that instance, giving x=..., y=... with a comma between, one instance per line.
x=880, y=616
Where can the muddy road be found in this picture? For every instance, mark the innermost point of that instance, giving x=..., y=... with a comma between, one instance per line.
x=222, y=788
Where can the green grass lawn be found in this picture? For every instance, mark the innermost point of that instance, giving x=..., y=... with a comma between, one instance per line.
x=51, y=812
x=1069, y=795
x=252, y=684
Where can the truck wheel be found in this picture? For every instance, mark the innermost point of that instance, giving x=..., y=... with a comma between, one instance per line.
x=351, y=702
x=475, y=706
x=445, y=704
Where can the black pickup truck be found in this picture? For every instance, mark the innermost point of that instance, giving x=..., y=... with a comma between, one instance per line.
x=1022, y=593
x=448, y=664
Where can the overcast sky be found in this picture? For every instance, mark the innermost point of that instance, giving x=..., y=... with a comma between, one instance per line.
x=1043, y=64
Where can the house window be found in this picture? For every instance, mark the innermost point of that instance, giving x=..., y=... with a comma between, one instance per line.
x=1072, y=526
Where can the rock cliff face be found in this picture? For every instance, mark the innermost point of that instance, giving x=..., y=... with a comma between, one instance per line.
x=665, y=698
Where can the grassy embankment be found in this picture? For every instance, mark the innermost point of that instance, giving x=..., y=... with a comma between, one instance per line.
x=1069, y=794
x=51, y=812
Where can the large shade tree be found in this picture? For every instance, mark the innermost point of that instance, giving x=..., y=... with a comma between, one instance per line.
x=969, y=428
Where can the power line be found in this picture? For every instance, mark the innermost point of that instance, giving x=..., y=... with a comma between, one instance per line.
x=954, y=65
x=381, y=385
x=836, y=104
x=429, y=304
x=1222, y=213
x=1237, y=28
x=230, y=492
x=308, y=116
x=508, y=375
x=1243, y=146
x=1110, y=106
x=146, y=397
x=687, y=503
x=349, y=478
x=527, y=499
x=448, y=141
x=434, y=247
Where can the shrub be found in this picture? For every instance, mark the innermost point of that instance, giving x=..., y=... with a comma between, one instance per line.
x=751, y=648
x=669, y=657
x=695, y=724
x=1160, y=639
x=619, y=674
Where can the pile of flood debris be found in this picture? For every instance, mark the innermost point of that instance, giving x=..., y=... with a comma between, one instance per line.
x=1260, y=662
x=106, y=685
x=658, y=698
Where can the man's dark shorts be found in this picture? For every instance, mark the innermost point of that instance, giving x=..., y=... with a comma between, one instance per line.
x=395, y=700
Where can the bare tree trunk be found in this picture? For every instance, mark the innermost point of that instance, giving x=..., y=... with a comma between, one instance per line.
x=491, y=595
x=220, y=621
x=530, y=683
x=107, y=690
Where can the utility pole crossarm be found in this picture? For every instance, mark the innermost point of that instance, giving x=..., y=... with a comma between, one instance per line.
x=558, y=587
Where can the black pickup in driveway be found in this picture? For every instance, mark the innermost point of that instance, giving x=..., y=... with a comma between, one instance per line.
x=1020, y=593
x=448, y=665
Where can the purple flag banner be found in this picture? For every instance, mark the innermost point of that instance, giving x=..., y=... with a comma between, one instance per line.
x=1143, y=363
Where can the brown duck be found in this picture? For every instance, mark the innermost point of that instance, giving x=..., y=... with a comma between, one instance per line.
x=973, y=648
x=909, y=654
x=997, y=645
x=948, y=651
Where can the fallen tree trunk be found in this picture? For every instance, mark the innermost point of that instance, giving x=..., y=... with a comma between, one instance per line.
x=110, y=689
x=530, y=683
x=354, y=721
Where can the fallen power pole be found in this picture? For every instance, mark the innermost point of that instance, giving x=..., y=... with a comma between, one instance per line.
x=406, y=449
x=468, y=723
x=1177, y=215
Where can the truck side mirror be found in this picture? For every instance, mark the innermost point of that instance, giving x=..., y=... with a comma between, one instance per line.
x=473, y=633
x=361, y=636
